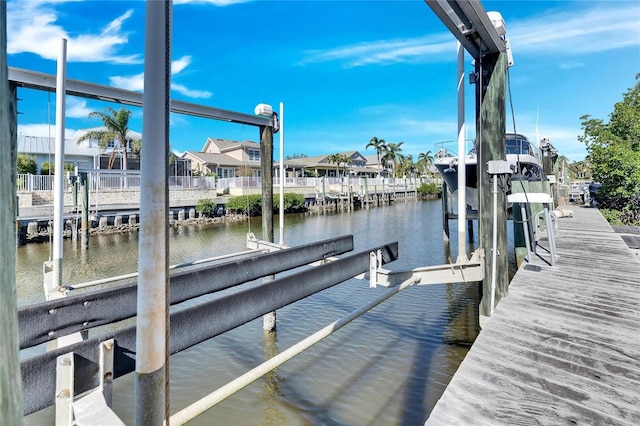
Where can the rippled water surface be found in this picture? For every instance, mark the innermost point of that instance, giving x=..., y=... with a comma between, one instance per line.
x=387, y=367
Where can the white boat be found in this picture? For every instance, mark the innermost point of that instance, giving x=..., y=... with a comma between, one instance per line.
x=523, y=157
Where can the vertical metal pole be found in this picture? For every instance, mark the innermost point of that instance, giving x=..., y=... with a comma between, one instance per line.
x=84, y=224
x=462, y=168
x=10, y=375
x=152, y=394
x=58, y=182
x=281, y=222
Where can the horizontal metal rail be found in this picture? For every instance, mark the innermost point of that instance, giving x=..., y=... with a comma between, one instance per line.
x=47, y=82
x=45, y=321
x=190, y=326
x=204, y=404
x=466, y=272
x=209, y=261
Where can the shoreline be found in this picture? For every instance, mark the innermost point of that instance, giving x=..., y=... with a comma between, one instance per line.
x=44, y=235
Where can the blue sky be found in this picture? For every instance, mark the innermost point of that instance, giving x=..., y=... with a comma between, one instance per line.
x=345, y=70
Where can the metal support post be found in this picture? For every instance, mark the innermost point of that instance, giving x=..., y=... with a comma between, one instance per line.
x=152, y=390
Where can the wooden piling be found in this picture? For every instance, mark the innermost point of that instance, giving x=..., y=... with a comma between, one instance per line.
x=10, y=375
x=266, y=167
x=84, y=222
x=445, y=213
x=491, y=119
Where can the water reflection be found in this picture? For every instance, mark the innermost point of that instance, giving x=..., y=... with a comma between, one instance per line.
x=272, y=396
x=387, y=367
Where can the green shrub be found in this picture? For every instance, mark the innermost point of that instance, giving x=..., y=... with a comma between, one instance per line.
x=246, y=204
x=428, y=189
x=626, y=216
x=252, y=204
x=205, y=207
x=26, y=165
x=292, y=202
x=47, y=168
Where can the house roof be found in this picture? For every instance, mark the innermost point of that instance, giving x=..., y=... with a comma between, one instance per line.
x=226, y=145
x=319, y=160
x=47, y=145
x=219, y=159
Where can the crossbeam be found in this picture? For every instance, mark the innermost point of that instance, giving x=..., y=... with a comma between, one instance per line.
x=470, y=24
x=47, y=82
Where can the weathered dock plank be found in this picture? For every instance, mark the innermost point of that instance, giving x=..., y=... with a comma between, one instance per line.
x=564, y=346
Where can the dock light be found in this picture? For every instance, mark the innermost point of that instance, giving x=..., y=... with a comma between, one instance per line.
x=498, y=22
x=264, y=110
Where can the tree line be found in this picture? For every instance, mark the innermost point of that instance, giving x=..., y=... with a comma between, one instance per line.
x=613, y=149
x=391, y=161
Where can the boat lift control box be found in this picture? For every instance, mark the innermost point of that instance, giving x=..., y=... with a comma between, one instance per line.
x=498, y=167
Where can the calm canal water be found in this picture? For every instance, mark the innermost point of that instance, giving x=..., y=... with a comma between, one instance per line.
x=389, y=367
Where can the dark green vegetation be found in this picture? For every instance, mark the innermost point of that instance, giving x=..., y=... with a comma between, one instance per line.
x=614, y=155
x=26, y=165
x=428, y=190
x=252, y=204
x=393, y=163
x=206, y=207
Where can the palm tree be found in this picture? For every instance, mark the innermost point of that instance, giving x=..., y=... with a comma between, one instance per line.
x=406, y=165
x=116, y=125
x=380, y=146
x=425, y=159
x=335, y=159
x=393, y=155
x=339, y=159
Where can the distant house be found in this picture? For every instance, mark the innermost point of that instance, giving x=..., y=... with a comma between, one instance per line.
x=87, y=155
x=42, y=149
x=133, y=162
x=226, y=158
x=320, y=166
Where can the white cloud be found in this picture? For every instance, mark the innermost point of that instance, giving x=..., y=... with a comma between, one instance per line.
x=384, y=52
x=190, y=92
x=77, y=108
x=180, y=64
x=571, y=65
x=136, y=82
x=43, y=129
x=577, y=32
x=596, y=29
x=32, y=28
x=213, y=2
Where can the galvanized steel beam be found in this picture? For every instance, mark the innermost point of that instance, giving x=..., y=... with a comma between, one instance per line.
x=469, y=23
x=46, y=321
x=190, y=326
x=47, y=82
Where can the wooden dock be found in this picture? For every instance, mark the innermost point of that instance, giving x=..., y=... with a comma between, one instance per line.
x=564, y=346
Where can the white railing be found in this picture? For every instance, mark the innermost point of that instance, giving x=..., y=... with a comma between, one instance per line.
x=116, y=182
x=111, y=182
x=29, y=183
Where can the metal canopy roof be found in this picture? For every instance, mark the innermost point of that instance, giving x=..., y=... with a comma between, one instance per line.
x=47, y=82
x=469, y=23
